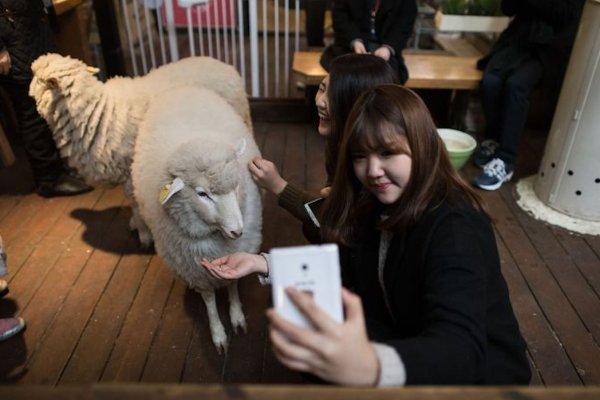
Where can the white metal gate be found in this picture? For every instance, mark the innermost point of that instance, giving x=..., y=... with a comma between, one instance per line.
x=257, y=37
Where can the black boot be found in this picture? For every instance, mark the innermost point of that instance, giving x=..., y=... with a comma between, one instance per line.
x=64, y=185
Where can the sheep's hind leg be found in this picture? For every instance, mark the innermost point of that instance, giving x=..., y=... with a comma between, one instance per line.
x=217, y=331
x=236, y=314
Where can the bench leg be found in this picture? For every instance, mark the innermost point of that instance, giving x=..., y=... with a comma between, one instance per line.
x=458, y=109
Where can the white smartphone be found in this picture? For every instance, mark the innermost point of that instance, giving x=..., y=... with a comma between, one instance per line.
x=312, y=269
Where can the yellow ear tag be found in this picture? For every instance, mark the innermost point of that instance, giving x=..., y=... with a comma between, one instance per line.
x=164, y=192
x=167, y=191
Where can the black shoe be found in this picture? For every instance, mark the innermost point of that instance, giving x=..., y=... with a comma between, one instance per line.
x=65, y=185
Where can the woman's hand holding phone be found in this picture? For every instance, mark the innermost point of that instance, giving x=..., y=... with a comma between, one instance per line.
x=336, y=352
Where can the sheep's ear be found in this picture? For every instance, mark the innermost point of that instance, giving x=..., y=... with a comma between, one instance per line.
x=241, y=149
x=52, y=83
x=169, y=190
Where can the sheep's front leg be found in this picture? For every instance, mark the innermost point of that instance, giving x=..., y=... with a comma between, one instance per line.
x=217, y=331
x=137, y=223
x=236, y=314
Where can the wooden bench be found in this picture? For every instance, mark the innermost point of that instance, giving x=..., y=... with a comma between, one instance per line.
x=426, y=71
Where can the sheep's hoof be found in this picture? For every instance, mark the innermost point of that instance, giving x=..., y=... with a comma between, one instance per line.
x=221, y=345
x=239, y=324
x=145, y=239
x=236, y=316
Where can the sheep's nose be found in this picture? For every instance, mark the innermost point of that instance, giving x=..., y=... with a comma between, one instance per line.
x=235, y=234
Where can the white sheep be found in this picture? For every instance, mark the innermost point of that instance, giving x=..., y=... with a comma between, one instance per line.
x=194, y=190
x=95, y=124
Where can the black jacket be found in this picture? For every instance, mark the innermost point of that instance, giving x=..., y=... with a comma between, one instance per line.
x=545, y=28
x=393, y=23
x=447, y=311
x=25, y=32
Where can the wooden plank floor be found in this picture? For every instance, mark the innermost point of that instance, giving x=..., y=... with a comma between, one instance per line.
x=99, y=309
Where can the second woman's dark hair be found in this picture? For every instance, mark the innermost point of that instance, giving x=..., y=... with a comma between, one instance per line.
x=349, y=76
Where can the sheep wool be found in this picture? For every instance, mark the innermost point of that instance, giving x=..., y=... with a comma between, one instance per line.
x=95, y=124
x=195, y=192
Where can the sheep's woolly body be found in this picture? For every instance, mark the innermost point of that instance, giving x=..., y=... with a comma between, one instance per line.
x=193, y=134
x=95, y=124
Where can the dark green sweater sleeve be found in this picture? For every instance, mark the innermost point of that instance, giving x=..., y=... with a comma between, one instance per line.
x=293, y=199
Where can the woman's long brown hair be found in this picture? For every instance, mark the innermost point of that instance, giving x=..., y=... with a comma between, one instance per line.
x=378, y=119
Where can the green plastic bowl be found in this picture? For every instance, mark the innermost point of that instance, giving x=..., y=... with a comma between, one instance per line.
x=460, y=146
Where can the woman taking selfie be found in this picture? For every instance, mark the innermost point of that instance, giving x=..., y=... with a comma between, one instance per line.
x=426, y=300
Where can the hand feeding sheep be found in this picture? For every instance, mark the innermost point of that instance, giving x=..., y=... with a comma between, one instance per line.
x=194, y=190
x=95, y=124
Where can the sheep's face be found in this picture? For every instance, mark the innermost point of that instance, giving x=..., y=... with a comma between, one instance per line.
x=204, y=196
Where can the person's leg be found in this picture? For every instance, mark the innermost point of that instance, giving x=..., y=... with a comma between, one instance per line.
x=491, y=92
x=491, y=104
x=517, y=90
x=49, y=173
x=40, y=148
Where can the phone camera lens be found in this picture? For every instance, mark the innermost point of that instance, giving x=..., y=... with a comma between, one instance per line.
x=304, y=267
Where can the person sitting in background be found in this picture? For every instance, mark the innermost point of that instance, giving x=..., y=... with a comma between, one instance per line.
x=348, y=77
x=9, y=327
x=533, y=51
x=378, y=27
x=25, y=35
x=430, y=304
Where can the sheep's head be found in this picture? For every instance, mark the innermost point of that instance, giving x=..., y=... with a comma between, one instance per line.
x=203, y=194
x=53, y=76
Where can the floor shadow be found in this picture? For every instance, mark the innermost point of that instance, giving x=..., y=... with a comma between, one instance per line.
x=108, y=230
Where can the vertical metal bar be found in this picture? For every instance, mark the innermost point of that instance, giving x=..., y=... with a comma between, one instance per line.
x=242, y=40
x=232, y=13
x=129, y=38
x=254, y=47
x=286, y=54
x=276, y=66
x=161, y=36
x=209, y=26
x=150, y=37
x=265, y=50
x=140, y=36
x=225, y=37
x=215, y=7
x=171, y=30
x=190, y=30
x=200, y=33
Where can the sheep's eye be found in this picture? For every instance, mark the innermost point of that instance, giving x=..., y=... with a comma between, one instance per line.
x=203, y=194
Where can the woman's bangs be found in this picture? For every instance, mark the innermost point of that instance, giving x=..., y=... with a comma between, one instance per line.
x=371, y=135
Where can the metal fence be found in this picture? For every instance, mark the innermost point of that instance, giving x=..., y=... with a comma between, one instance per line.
x=257, y=37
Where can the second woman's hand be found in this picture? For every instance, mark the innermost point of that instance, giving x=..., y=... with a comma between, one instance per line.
x=265, y=174
x=235, y=266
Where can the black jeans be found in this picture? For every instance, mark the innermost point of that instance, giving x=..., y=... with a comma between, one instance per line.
x=505, y=100
x=40, y=147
